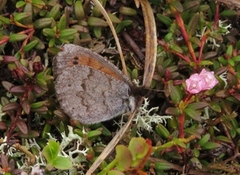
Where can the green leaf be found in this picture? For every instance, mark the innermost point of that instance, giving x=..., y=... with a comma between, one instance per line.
x=211, y=145
x=51, y=42
x=21, y=16
x=46, y=130
x=237, y=45
x=229, y=50
x=30, y=134
x=67, y=33
x=105, y=131
x=238, y=131
x=41, y=81
x=172, y=111
x=114, y=18
x=49, y=32
x=233, y=133
x=222, y=60
x=164, y=19
x=204, y=140
x=54, y=12
x=162, y=131
x=97, y=22
x=38, y=3
x=97, y=31
x=30, y=45
x=20, y=4
x=127, y=11
x=234, y=122
x=203, y=8
x=195, y=161
x=136, y=146
x=139, y=149
x=115, y=172
x=190, y=4
x=62, y=23
x=195, y=40
x=177, y=5
x=192, y=25
x=228, y=13
x=123, y=157
x=194, y=114
x=198, y=105
x=168, y=37
x=176, y=93
x=51, y=151
x=5, y=20
x=69, y=2
x=43, y=23
x=206, y=63
x=231, y=62
x=194, y=130
x=166, y=145
x=123, y=24
x=79, y=10
x=167, y=63
x=62, y=163
x=163, y=166
x=179, y=142
x=215, y=106
x=176, y=48
x=96, y=10
x=196, y=152
x=223, y=139
x=236, y=58
x=17, y=37
x=94, y=133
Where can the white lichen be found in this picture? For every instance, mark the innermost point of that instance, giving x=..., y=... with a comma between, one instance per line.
x=223, y=77
x=145, y=117
x=68, y=139
x=222, y=29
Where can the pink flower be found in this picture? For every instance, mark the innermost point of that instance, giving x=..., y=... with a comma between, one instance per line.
x=194, y=84
x=200, y=82
x=209, y=80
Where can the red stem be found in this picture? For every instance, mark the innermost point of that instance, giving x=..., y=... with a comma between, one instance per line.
x=204, y=37
x=181, y=119
x=216, y=18
x=165, y=46
x=185, y=35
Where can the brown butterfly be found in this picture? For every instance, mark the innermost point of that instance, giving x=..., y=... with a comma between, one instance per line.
x=89, y=88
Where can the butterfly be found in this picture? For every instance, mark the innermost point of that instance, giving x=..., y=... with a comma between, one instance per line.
x=89, y=88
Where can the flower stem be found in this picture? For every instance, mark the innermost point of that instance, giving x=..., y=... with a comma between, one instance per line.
x=181, y=119
x=184, y=34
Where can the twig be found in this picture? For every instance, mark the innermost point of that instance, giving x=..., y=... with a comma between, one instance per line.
x=103, y=11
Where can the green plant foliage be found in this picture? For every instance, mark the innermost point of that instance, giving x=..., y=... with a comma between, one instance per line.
x=123, y=157
x=202, y=136
x=131, y=158
x=51, y=153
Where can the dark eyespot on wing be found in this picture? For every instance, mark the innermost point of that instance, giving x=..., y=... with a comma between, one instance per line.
x=75, y=60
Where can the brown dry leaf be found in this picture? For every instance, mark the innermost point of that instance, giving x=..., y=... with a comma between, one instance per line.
x=151, y=43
